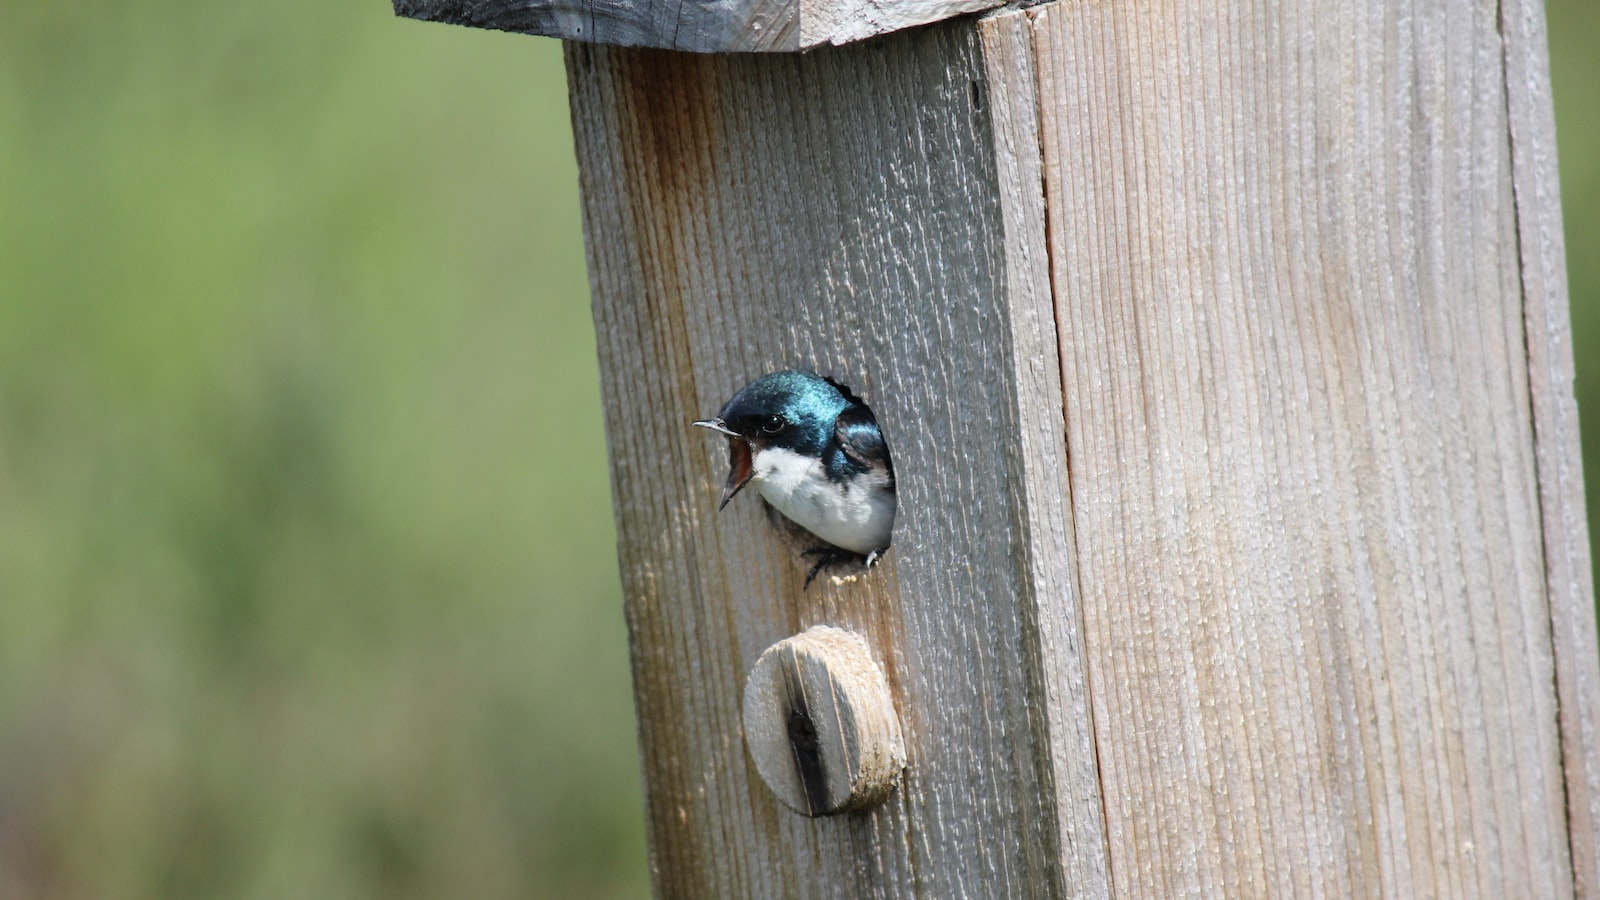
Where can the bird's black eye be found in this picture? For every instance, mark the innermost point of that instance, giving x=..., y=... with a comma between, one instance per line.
x=774, y=424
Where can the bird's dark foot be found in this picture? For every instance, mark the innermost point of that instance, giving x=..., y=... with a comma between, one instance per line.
x=827, y=557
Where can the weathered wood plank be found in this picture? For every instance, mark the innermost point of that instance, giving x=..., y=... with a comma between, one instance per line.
x=1041, y=455
x=872, y=212
x=1307, y=477
x=731, y=26
x=1555, y=424
x=1283, y=282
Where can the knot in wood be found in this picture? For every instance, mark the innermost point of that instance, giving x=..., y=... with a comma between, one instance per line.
x=820, y=723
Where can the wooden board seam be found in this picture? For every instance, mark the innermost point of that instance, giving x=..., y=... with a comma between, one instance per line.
x=1546, y=319
x=1033, y=11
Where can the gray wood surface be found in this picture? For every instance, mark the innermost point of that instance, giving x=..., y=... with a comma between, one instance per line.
x=1224, y=358
x=1568, y=572
x=1311, y=478
x=839, y=211
x=725, y=26
x=849, y=754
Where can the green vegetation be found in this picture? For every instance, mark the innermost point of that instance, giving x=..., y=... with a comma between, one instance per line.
x=307, y=583
x=1575, y=71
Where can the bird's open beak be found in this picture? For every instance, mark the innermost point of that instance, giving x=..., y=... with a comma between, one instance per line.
x=740, y=469
x=716, y=425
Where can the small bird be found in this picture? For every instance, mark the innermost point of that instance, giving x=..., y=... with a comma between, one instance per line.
x=816, y=454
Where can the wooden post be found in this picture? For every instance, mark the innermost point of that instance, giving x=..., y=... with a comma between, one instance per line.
x=1224, y=356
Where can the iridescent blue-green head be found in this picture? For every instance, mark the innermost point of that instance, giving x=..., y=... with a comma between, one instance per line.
x=792, y=410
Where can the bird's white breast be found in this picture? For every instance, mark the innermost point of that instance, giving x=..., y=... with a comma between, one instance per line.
x=856, y=515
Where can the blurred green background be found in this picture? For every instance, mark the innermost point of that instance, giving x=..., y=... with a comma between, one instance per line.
x=307, y=584
x=306, y=556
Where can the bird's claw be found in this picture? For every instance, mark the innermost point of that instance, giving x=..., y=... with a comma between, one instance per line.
x=829, y=556
x=826, y=556
x=812, y=575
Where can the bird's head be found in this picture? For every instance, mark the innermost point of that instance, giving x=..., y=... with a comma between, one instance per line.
x=792, y=410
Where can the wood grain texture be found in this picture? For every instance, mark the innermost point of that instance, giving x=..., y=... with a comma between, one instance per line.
x=728, y=26
x=846, y=211
x=1555, y=423
x=1324, y=510
x=1040, y=457
x=1223, y=352
x=820, y=723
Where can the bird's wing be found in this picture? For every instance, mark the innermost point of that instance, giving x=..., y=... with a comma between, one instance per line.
x=861, y=441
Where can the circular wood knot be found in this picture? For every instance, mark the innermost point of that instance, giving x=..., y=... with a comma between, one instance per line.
x=820, y=723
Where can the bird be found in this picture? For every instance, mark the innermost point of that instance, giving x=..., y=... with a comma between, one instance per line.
x=815, y=453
